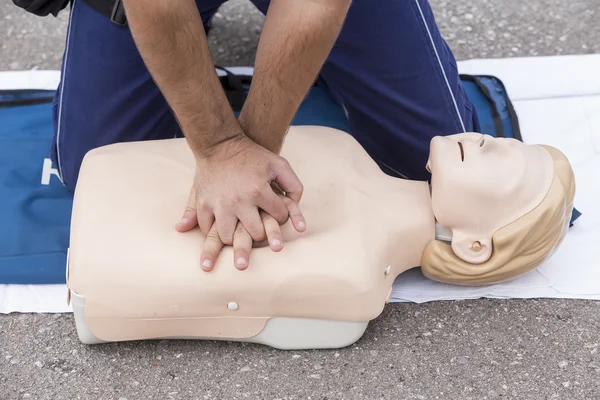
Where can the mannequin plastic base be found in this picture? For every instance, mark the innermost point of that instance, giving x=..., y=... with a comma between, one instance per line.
x=280, y=333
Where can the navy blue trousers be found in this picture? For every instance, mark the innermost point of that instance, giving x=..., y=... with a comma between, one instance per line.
x=390, y=69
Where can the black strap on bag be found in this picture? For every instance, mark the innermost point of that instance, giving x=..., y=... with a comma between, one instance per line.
x=113, y=9
x=25, y=97
x=495, y=114
x=513, y=115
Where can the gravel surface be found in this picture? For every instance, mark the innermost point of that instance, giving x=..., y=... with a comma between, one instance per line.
x=484, y=349
x=474, y=29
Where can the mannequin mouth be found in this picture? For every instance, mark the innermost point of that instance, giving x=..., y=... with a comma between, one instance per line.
x=462, y=151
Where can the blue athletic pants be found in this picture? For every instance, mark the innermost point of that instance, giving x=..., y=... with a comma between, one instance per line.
x=390, y=69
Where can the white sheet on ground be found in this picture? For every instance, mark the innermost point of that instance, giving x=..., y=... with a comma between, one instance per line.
x=557, y=100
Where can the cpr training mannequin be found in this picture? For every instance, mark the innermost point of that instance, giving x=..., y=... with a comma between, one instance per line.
x=503, y=206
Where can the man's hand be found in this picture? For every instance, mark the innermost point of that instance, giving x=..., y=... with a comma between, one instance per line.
x=242, y=241
x=233, y=183
x=234, y=173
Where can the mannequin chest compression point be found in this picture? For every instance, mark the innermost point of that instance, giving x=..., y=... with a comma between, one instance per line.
x=133, y=276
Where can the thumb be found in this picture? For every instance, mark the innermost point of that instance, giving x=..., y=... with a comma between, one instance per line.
x=288, y=181
x=189, y=219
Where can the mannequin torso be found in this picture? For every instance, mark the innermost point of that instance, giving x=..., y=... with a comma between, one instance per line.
x=360, y=221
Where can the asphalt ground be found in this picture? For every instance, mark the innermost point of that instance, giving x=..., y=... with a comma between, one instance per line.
x=481, y=349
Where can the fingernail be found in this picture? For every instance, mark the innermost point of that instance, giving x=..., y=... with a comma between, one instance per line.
x=241, y=261
x=276, y=243
x=301, y=225
x=207, y=263
x=183, y=221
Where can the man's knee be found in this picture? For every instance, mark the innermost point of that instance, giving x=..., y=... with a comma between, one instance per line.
x=66, y=161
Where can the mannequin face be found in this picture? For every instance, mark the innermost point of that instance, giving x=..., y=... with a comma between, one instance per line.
x=480, y=184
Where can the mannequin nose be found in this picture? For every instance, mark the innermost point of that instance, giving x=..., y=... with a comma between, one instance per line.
x=488, y=143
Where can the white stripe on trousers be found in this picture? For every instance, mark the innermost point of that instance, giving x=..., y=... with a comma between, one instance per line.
x=60, y=95
x=462, y=124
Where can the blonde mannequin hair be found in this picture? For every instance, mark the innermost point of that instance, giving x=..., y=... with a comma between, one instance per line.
x=517, y=247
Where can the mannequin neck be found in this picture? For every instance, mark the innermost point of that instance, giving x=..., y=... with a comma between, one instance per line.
x=443, y=234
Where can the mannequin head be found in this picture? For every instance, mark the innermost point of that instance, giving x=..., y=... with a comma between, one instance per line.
x=507, y=204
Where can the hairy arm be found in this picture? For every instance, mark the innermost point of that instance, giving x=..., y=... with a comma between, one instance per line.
x=296, y=39
x=172, y=42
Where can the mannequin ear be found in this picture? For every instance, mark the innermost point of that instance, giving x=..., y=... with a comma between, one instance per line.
x=471, y=249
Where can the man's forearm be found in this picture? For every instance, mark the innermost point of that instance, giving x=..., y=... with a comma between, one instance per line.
x=172, y=42
x=296, y=39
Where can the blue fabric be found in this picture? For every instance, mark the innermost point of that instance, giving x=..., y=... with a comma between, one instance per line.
x=319, y=109
x=574, y=216
x=486, y=107
x=35, y=217
x=498, y=93
x=483, y=106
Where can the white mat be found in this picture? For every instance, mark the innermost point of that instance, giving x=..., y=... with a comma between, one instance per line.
x=557, y=100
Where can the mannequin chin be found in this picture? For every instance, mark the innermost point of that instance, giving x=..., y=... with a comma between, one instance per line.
x=502, y=205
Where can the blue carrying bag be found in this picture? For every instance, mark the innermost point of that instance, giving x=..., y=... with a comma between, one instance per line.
x=35, y=208
x=495, y=110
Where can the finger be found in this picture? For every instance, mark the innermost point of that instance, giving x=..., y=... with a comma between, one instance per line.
x=295, y=213
x=252, y=224
x=226, y=222
x=206, y=219
x=274, y=205
x=204, y=214
x=287, y=179
x=273, y=231
x=242, y=246
x=210, y=251
x=188, y=220
x=276, y=188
